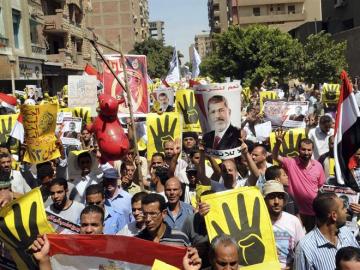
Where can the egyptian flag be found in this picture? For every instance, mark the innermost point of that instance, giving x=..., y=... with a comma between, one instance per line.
x=347, y=133
x=109, y=252
x=18, y=130
x=8, y=101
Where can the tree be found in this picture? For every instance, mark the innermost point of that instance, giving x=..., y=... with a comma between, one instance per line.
x=158, y=56
x=323, y=59
x=253, y=54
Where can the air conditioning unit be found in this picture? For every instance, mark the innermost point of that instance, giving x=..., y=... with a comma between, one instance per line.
x=339, y=3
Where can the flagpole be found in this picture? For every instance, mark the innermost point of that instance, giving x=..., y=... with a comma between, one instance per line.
x=129, y=99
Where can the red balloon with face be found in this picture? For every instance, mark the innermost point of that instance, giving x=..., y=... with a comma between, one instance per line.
x=111, y=138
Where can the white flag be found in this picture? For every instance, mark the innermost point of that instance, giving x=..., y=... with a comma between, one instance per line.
x=173, y=75
x=196, y=61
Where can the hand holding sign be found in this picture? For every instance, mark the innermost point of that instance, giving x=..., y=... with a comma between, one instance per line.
x=189, y=111
x=252, y=249
x=163, y=134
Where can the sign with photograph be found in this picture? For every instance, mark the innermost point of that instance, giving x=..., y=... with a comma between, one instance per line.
x=163, y=100
x=71, y=130
x=220, y=110
x=82, y=92
x=288, y=114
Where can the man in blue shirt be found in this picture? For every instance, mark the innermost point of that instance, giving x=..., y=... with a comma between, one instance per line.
x=113, y=221
x=118, y=199
x=177, y=211
x=318, y=248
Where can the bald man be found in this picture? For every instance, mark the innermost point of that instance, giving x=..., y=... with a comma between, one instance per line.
x=177, y=211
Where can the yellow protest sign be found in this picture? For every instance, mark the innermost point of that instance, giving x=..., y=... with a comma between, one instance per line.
x=265, y=96
x=242, y=213
x=246, y=94
x=39, y=125
x=7, y=123
x=21, y=221
x=186, y=105
x=83, y=112
x=331, y=166
x=161, y=128
x=330, y=93
x=160, y=265
x=289, y=148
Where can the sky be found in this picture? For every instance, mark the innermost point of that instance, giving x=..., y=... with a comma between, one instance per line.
x=183, y=20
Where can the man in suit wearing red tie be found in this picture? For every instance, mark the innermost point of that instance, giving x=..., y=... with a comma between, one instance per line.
x=224, y=135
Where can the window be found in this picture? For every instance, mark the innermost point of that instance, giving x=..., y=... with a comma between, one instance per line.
x=16, y=16
x=2, y=28
x=278, y=8
x=256, y=11
x=34, y=35
x=291, y=9
x=271, y=8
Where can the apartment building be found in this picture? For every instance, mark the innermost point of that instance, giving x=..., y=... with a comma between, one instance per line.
x=156, y=29
x=122, y=23
x=203, y=44
x=282, y=14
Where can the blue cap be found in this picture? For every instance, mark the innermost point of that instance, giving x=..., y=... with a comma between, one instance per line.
x=111, y=174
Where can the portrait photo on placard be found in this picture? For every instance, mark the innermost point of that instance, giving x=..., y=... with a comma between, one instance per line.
x=163, y=100
x=71, y=130
x=220, y=114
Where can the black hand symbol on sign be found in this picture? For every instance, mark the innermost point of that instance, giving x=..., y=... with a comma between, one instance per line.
x=163, y=135
x=5, y=130
x=83, y=114
x=291, y=149
x=252, y=249
x=189, y=111
x=26, y=240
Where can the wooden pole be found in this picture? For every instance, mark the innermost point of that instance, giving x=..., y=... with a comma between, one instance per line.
x=129, y=100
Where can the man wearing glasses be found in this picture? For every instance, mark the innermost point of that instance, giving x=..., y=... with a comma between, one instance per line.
x=156, y=229
x=113, y=221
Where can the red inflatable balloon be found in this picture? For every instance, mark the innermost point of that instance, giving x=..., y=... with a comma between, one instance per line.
x=112, y=141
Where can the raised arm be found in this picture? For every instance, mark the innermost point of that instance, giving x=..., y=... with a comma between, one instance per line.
x=279, y=137
x=255, y=172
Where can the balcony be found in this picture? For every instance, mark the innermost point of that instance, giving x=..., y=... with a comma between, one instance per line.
x=4, y=42
x=37, y=49
x=245, y=3
x=273, y=18
x=55, y=23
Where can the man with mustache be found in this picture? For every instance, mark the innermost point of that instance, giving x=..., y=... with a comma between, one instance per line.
x=224, y=135
x=306, y=177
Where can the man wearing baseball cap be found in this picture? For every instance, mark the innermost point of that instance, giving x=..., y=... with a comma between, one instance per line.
x=287, y=228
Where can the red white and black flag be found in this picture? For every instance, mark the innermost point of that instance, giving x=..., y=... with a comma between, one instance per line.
x=347, y=133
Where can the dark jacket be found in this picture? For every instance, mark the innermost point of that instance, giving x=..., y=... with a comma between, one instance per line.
x=228, y=141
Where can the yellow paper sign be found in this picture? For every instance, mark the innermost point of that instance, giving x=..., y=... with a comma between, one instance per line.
x=7, y=123
x=159, y=265
x=242, y=213
x=186, y=105
x=331, y=166
x=330, y=93
x=83, y=112
x=160, y=129
x=21, y=221
x=39, y=125
x=246, y=94
x=265, y=96
x=289, y=148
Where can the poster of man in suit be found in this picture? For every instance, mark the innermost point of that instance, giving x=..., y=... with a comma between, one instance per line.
x=220, y=114
x=163, y=100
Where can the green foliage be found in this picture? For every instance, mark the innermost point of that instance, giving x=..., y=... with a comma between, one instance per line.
x=158, y=56
x=324, y=59
x=257, y=53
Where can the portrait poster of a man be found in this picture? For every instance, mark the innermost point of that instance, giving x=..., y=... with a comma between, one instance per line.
x=221, y=118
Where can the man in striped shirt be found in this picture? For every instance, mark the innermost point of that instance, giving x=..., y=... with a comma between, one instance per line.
x=318, y=248
x=156, y=229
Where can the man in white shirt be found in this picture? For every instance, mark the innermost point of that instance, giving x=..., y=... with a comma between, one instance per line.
x=18, y=183
x=287, y=228
x=320, y=136
x=64, y=214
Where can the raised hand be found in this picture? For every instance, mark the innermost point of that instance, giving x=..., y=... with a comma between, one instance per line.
x=189, y=111
x=83, y=114
x=163, y=134
x=252, y=249
x=280, y=134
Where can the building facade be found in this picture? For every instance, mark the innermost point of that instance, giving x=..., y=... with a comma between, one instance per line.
x=203, y=44
x=282, y=14
x=156, y=29
x=42, y=42
x=121, y=23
